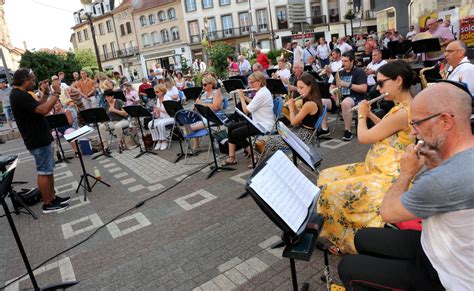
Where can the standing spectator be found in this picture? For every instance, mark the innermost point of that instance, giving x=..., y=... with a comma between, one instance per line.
x=75, y=76
x=180, y=85
x=298, y=53
x=262, y=58
x=120, y=80
x=232, y=67
x=31, y=121
x=152, y=78
x=371, y=41
x=333, y=43
x=244, y=66
x=159, y=72
x=308, y=52
x=87, y=89
x=323, y=52
x=343, y=46
x=5, y=97
x=445, y=37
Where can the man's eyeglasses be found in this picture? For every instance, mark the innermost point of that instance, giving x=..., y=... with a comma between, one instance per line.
x=451, y=51
x=415, y=123
x=380, y=83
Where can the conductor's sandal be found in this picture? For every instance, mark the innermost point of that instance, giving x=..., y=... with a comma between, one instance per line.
x=230, y=161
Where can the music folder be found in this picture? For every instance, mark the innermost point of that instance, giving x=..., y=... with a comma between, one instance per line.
x=426, y=45
x=309, y=155
x=258, y=126
x=119, y=95
x=78, y=133
x=283, y=193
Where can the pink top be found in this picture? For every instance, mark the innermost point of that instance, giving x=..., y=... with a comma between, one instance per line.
x=445, y=34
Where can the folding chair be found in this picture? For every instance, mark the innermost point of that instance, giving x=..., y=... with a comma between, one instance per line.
x=184, y=118
x=317, y=125
x=171, y=108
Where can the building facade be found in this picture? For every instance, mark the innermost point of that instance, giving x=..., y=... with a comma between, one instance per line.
x=11, y=54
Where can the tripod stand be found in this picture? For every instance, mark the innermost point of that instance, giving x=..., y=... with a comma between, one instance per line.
x=96, y=115
x=138, y=111
x=56, y=121
x=5, y=184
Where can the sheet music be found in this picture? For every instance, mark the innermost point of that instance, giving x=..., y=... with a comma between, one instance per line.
x=256, y=124
x=285, y=189
x=297, y=144
x=78, y=133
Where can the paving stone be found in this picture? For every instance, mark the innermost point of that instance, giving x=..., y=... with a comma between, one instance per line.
x=235, y=276
x=136, y=188
x=120, y=175
x=128, y=181
x=229, y=264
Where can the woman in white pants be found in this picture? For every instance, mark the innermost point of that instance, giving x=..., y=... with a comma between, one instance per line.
x=160, y=120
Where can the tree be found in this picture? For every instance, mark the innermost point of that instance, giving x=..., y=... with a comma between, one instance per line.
x=86, y=58
x=45, y=65
x=218, y=54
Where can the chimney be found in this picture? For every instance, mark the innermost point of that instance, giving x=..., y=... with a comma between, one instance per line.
x=24, y=46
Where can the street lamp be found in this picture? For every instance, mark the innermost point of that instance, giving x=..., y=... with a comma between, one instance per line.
x=88, y=16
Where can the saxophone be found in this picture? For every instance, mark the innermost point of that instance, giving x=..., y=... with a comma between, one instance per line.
x=336, y=92
x=424, y=82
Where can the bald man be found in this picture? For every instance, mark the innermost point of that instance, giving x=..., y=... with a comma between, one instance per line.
x=445, y=37
x=442, y=254
x=460, y=68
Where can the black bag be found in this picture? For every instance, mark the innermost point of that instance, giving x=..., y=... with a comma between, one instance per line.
x=29, y=196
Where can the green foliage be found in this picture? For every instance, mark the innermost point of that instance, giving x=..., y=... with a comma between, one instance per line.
x=197, y=79
x=184, y=65
x=349, y=15
x=45, y=65
x=218, y=54
x=273, y=54
x=86, y=58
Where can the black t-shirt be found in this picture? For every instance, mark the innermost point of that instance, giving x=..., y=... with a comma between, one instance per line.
x=357, y=77
x=33, y=127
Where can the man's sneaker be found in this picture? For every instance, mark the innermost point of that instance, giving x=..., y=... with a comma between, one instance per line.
x=323, y=132
x=347, y=135
x=62, y=200
x=54, y=206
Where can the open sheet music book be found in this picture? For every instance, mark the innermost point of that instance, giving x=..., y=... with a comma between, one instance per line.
x=297, y=145
x=286, y=191
x=257, y=125
x=78, y=133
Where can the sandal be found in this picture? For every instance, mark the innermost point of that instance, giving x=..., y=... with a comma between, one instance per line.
x=335, y=251
x=230, y=161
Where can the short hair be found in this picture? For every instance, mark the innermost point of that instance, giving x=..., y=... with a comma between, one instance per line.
x=231, y=58
x=280, y=59
x=161, y=88
x=298, y=63
x=209, y=79
x=462, y=46
x=108, y=92
x=376, y=50
x=21, y=76
x=349, y=55
x=399, y=68
x=257, y=67
x=337, y=51
x=258, y=76
x=61, y=72
x=84, y=71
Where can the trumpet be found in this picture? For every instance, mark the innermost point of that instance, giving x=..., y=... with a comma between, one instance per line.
x=376, y=99
x=243, y=90
x=323, y=71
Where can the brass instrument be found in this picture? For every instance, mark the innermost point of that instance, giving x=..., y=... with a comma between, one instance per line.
x=424, y=82
x=376, y=99
x=323, y=71
x=336, y=92
x=284, y=53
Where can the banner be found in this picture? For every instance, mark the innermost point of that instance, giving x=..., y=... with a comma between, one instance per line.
x=467, y=30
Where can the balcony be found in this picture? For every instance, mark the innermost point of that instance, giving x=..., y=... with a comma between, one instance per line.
x=369, y=14
x=318, y=19
x=223, y=34
x=133, y=51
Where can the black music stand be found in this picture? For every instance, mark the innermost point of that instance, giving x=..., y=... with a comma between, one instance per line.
x=231, y=85
x=207, y=113
x=426, y=45
x=74, y=136
x=96, y=115
x=276, y=87
x=5, y=184
x=308, y=68
x=192, y=93
x=241, y=78
x=270, y=72
x=150, y=93
x=138, y=111
x=56, y=121
x=119, y=95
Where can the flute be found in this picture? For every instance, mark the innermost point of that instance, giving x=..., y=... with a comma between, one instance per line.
x=294, y=99
x=355, y=108
x=420, y=143
x=244, y=90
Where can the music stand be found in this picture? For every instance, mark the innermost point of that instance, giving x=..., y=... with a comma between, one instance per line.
x=192, y=93
x=276, y=87
x=426, y=45
x=232, y=85
x=5, y=184
x=308, y=68
x=74, y=136
x=241, y=78
x=119, y=95
x=270, y=72
x=56, y=121
x=211, y=117
x=150, y=93
x=96, y=115
x=138, y=111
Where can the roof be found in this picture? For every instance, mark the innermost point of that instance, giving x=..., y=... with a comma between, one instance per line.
x=123, y=6
x=141, y=5
x=95, y=18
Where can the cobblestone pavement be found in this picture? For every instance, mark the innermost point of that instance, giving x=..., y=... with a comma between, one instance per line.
x=196, y=235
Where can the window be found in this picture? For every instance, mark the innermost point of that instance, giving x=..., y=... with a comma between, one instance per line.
x=151, y=19
x=79, y=36
x=242, y=1
x=244, y=22
x=113, y=49
x=227, y=25
x=175, y=33
x=161, y=16
x=171, y=14
x=207, y=4
x=107, y=6
x=122, y=30
x=194, y=31
x=190, y=5
x=165, y=35
x=106, y=51
x=98, y=9
x=282, y=17
x=145, y=40
x=129, y=27
x=224, y=2
x=262, y=21
x=333, y=6
x=86, y=34
x=108, y=23
x=211, y=28
x=154, y=38
x=142, y=21
x=101, y=29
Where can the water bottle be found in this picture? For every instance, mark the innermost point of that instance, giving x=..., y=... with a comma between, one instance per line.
x=97, y=174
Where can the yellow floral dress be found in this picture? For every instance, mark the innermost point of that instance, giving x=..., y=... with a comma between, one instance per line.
x=352, y=194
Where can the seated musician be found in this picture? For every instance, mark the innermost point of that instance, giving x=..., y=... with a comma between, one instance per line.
x=118, y=120
x=352, y=194
x=353, y=84
x=334, y=66
x=371, y=71
x=315, y=67
x=261, y=108
x=461, y=69
x=160, y=120
x=441, y=256
x=282, y=73
x=303, y=119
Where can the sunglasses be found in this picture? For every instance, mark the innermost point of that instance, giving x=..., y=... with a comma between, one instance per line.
x=380, y=83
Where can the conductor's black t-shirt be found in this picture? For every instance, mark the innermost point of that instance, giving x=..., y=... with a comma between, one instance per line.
x=33, y=127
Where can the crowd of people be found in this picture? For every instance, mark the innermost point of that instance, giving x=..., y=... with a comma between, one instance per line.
x=396, y=182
